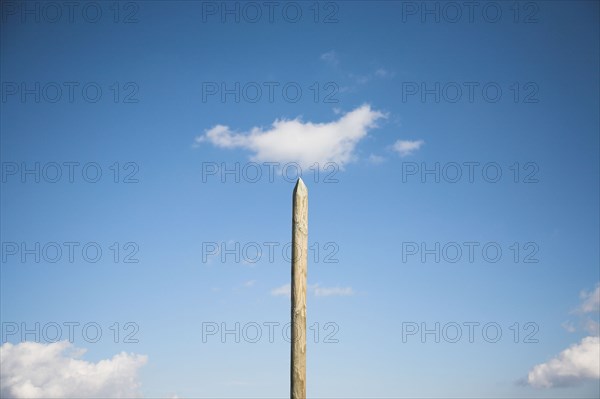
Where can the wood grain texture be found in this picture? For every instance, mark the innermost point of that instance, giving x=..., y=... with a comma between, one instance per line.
x=299, y=270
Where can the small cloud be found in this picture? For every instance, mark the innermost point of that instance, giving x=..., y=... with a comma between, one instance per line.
x=407, y=147
x=567, y=325
x=375, y=159
x=249, y=283
x=305, y=143
x=591, y=327
x=284, y=290
x=332, y=291
x=590, y=301
x=383, y=73
x=360, y=79
x=330, y=58
x=315, y=289
x=571, y=367
x=31, y=369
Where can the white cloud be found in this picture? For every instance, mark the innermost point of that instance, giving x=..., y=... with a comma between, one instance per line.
x=36, y=370
x=302, y=142
x=249, y=283
x=330, y=58
x=316, y=289
x=572, y=366
x=407, y=147
x=590, y=301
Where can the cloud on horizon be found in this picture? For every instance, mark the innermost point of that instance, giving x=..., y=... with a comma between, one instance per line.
x=54, y=370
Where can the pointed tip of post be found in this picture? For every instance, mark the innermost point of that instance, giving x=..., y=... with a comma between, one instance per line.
x=300, y=189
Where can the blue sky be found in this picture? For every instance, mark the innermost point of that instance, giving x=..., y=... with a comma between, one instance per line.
x=163, y=98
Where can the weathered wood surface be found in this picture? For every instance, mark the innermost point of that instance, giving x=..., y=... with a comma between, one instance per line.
x=299, y=269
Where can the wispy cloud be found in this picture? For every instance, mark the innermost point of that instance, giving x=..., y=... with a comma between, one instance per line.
x=383, y=73
x=568, y=326
x=284, y=290
x=36, y=370
x=330, y=58
x=332, y=291
x=590, y=301
x=407, y=147
x=375, y=159
x=360, y=79
x=591, y=327
x=306, y=143
x=249, y=283
x=315, y=289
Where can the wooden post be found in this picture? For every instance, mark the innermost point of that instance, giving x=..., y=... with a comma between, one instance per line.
x=299, y=266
